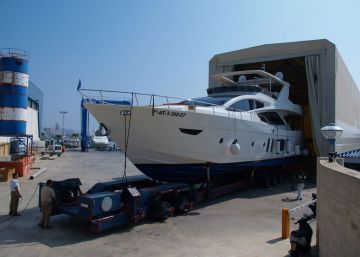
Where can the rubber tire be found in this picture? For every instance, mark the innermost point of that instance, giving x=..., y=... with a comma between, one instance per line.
x=164, y=211
x=180, y=205
x=159, y=210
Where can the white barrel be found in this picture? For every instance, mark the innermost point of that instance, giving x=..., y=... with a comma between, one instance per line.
x=278, y=144
x=297, y=149
x=288, y=146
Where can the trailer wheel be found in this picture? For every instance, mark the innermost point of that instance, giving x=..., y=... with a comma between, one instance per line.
x=164, y=211
x=160, y=210
x=267, y=183
x=181, y=205
x=274, y=180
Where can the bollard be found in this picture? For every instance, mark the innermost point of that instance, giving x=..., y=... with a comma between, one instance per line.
x=285, y=223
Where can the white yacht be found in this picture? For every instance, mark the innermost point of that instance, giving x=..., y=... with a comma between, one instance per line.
x=71, y=142
x=100, y=143
x=246, y=123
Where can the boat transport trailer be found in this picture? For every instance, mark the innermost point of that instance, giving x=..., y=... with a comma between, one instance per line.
x=128, y=201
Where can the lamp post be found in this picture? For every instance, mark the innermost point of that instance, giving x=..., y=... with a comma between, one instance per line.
x=331, y=132
x=63, y=121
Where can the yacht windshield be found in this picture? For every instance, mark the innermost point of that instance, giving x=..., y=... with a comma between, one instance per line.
x=207, y=101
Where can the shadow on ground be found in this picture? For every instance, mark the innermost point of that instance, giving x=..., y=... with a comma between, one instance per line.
x=314, y=252
x=257, y=192
x=66, y=230
x=23, y=230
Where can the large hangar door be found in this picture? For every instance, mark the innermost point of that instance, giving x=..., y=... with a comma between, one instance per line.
x=317, y=98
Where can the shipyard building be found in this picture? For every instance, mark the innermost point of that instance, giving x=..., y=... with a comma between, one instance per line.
x=320, y=83
x=323, y=86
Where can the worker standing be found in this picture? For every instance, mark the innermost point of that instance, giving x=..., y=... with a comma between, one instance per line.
x=15, y=195
x=47, y=195
x=300, y=180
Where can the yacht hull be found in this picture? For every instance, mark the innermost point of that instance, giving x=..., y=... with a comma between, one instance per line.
x=177, y=145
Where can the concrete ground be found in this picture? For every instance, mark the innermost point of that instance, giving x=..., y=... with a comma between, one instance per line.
x=246, y=223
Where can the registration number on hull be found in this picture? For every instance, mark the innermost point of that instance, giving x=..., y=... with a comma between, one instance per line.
x=169, y=113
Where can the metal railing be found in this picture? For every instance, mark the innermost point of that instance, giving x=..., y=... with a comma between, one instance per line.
x=285, y=217
x=133, y=97
x=14, y=52
x=99, y=96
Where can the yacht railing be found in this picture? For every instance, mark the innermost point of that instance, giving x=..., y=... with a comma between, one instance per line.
x=102, y=96
x=99, y=96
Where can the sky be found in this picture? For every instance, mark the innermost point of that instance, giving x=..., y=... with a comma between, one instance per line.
x=160, y=46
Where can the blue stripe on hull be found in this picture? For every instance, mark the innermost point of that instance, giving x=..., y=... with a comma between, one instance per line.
x=12, y=127
x=197, y=172
x=14, y=64
x=15, y=101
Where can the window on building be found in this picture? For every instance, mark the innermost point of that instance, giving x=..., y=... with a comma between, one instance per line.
x=33, y=104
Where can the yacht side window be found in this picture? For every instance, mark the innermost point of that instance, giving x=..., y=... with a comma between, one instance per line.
x=272, y=118
x=254, y=104
x=242, y=105
x=259, y=105
x=263, y=118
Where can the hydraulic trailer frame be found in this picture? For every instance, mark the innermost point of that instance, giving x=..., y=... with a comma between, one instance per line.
x=116, y=203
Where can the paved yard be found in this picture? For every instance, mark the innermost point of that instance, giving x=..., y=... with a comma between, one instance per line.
x=246, y=223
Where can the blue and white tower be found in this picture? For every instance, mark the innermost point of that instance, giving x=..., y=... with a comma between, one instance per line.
x=14, y=82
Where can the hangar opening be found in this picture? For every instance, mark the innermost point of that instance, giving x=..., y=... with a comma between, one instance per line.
x=320, y=83
x=294, y=72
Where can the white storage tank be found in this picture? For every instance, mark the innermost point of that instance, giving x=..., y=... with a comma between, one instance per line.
x=14, y=82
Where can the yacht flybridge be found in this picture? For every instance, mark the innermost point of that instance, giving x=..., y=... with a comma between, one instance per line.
x=245, y=123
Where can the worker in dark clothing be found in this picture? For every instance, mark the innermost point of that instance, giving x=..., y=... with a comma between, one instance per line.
x=47, y=196
x=300, y=180
x=15, y=195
